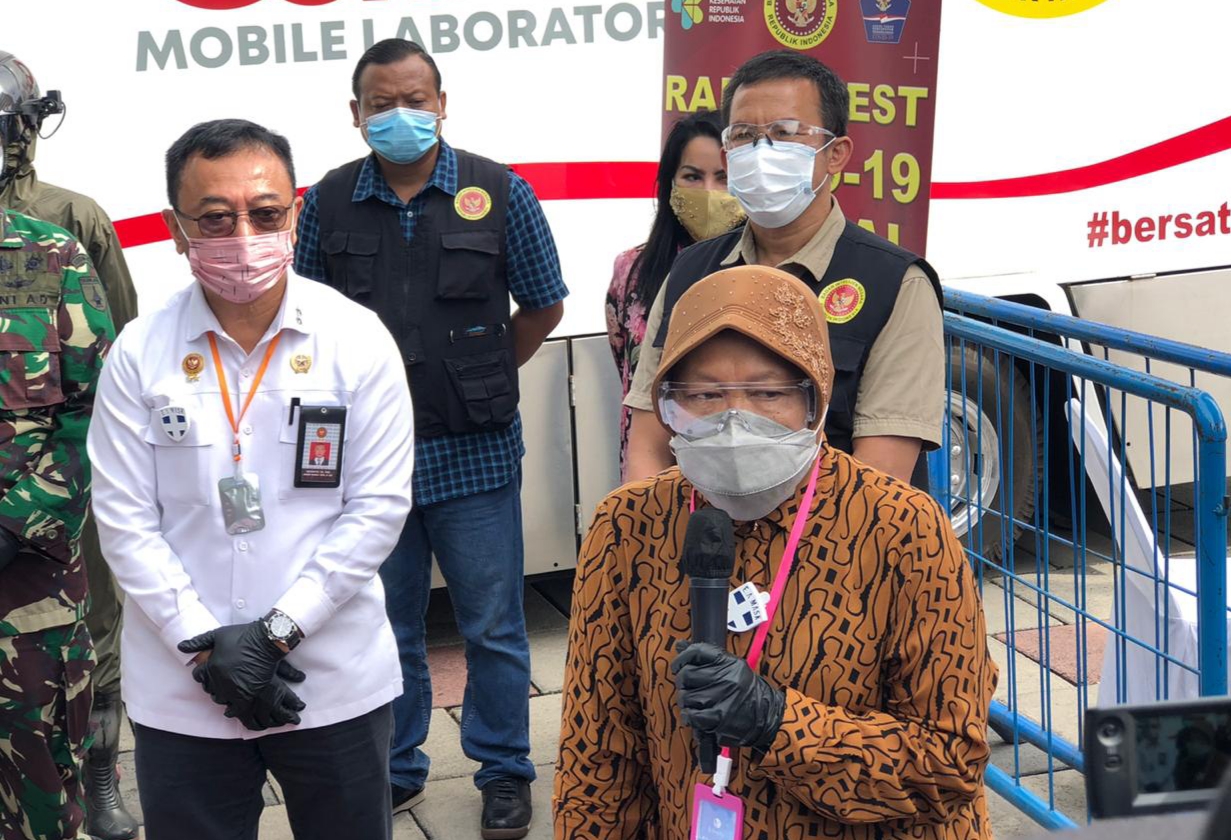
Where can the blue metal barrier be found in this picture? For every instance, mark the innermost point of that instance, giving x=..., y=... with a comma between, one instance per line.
x=1077, y=584
x=1037, y=320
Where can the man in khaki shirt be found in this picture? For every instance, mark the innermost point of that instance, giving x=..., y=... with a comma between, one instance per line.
x=883, y=303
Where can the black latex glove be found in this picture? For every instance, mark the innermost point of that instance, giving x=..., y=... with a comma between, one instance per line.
x=721, y=696
x=243, y=661
x=275, y=706
x=10, y=546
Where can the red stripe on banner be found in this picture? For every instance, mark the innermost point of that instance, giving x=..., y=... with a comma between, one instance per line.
x=551, y=182
x=1202, y=142
x=141, y=230
x=635, y=179
x=560, y=181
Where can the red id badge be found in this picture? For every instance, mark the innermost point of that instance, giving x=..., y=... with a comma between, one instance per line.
x=716, y=817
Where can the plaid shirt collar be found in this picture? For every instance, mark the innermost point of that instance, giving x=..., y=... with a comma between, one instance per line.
x=372, y=183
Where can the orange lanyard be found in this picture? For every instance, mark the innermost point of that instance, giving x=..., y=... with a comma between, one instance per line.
x=226, y=395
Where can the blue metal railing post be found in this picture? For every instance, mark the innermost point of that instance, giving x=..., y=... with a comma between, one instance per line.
x=1212, y=547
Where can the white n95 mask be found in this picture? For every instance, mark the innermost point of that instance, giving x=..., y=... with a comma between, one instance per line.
x=745, y=464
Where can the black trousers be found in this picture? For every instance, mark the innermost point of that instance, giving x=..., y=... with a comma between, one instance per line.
x=335, y=780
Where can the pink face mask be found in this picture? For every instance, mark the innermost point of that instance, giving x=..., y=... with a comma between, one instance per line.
x=241, y=268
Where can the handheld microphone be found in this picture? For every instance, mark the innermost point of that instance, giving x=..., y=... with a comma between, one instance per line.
x=707, y=559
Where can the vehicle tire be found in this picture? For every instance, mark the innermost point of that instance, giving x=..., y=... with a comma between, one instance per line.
x=982, y=439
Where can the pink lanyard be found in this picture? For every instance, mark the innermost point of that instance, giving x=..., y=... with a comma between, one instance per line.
x=784, y=572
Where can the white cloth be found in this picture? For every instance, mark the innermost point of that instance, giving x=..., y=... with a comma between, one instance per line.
x=160, y=519
x=1158, y=608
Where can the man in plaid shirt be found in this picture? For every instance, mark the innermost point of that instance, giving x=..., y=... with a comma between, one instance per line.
x=436, y=240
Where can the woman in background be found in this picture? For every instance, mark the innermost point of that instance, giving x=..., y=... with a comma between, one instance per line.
x=693, y=204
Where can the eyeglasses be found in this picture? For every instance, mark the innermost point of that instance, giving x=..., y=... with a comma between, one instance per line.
x=222, y=222
x=779, y=131
x=686, y=405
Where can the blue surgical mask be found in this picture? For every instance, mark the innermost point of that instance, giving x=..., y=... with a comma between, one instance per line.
x=402, y=135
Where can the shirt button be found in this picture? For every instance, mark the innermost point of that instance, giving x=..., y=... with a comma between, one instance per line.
x=246, y=373
x=52, y=534
x=247, y=430
x=240, y=604
x=243, y=546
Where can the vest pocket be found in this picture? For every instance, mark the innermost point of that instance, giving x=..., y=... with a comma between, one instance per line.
x=30, y=376
x=351, y=258
x=469, y=263
x=483, y=384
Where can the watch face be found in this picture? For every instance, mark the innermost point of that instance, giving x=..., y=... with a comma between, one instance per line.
x=281, y=626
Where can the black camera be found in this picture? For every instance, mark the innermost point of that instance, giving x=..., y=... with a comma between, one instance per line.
x=1158, y=758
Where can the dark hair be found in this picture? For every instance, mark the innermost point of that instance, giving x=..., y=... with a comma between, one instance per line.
x=789, y=64
x=667, y=235
x=391, y=51
x=219, y=138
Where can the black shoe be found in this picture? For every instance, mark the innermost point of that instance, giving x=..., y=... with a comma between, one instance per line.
x=405, y=798
x=106, y=816
x=506, y=808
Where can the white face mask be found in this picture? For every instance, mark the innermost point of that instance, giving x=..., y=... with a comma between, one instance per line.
x=773, y=183
x=748, y=465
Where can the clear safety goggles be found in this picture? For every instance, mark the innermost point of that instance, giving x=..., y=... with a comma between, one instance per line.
x=694, y=409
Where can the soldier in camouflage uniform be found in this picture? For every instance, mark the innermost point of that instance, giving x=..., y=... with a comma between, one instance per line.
x=21, y=191
x=54, y=329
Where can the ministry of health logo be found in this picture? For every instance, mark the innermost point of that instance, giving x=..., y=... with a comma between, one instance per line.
x=689, y=11
x=800, y=24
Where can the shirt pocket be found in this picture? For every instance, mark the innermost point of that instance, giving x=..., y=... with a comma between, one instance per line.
x=351, y=258
x=182, y=467
x=30, y=368
x=469, y=260
x=288, y=441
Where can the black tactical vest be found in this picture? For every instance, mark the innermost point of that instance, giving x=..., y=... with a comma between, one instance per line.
x=876, y=264
x=444, y=295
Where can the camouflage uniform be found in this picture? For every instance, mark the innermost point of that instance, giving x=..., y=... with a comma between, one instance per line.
x=54, y=329
x=81, y=216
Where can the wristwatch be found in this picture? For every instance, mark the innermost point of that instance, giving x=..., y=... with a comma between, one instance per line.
x=281, y=628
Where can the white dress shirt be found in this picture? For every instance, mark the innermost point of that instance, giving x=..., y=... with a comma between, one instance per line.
x=160, y=520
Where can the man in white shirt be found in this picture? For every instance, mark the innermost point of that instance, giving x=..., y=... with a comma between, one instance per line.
x=248, y=567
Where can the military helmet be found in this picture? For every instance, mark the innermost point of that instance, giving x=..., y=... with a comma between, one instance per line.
x=22, y=110
x=18, y=92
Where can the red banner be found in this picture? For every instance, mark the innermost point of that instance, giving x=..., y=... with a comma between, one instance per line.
x=885, y=50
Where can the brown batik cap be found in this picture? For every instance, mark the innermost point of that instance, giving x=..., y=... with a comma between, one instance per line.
x=768, y=305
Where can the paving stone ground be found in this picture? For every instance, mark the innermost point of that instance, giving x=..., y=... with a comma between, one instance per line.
x=451, y=809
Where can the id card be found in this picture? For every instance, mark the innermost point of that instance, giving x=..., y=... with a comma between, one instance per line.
x=318, y=451
x=716, y=817
x=241, y=504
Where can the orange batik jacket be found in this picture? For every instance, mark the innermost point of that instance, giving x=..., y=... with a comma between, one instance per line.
x=879, y=645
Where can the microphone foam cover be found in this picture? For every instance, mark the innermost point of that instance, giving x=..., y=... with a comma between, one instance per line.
x=709, y=545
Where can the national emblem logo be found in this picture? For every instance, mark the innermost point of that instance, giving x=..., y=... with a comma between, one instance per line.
x=842, y=300
x=472, y=203
x=800, y=24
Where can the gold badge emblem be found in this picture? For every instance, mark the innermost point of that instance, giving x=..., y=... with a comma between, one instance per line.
x=192, y=365
x=301, y=363
x=472, y=203
x=800, y=24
